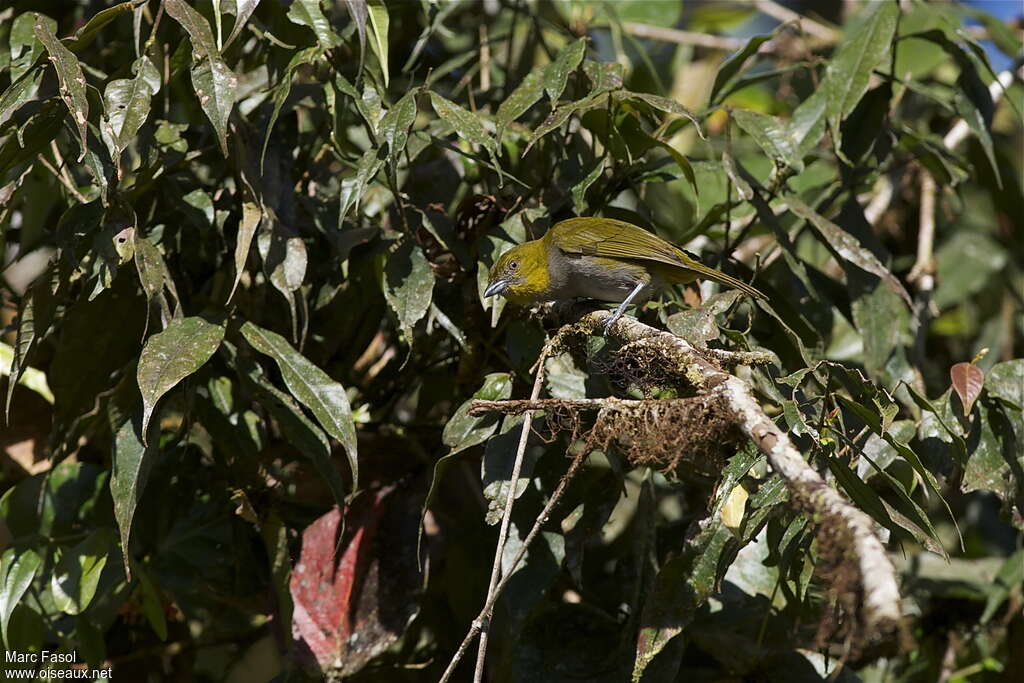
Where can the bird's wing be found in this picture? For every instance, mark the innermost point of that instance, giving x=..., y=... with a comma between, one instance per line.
x=613, y=239
x=610, y=238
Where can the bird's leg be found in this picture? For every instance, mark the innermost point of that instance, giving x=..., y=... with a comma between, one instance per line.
x=622, y=307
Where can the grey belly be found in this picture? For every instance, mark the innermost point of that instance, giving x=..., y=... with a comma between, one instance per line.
x=594, y=282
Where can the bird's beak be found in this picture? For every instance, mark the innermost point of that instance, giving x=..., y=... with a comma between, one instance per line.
x=496, y=287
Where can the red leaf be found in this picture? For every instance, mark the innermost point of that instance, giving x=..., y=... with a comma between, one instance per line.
x=967, y=382
x=349, y=610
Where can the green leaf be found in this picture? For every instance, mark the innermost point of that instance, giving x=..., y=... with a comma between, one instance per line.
x=203, y=44
x=85, y=35
x=126, y=106
x=771, y=135
x=556, y=74
x=683, y=584
x=172, y=355
x=846, y=246
x=408, y=285
x=731, y=66
x=131, y=461
x=1006, y=382
x=19, y=92
x=807, y=125
x=1010, y=577
x=558, y=116
x=357, y=10
x=496, y=467
x=463, y=431
x=71, y=78
x=308, y=13
x=466, y=124
x=666, y=104
x=17, y=571
x=522, y=98
x=966, y=264
x=77, y=574
x=216, y=87
x=34, y=317
x=22, y=36
x=379, y=28
x=579, y=190
x=997, y=451
x=280, y=93
x=394, y=127
x=314, y=388
x=300, y=431
x=353, y=187
x=604, y=76
x=847, y=74
x=152, y=605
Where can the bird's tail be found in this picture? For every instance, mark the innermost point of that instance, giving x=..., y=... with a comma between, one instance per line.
x=709, y=273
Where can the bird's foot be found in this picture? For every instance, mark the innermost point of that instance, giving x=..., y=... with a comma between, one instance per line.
x=610, y=323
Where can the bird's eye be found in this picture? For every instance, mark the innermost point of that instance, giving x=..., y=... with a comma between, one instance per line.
x=513, y=265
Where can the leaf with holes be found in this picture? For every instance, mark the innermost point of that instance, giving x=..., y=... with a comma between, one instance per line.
x=126, y=106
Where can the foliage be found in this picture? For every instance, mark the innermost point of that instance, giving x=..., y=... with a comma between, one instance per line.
x=245, y=244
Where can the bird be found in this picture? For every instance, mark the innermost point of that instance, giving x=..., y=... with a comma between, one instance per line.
x=598, y=258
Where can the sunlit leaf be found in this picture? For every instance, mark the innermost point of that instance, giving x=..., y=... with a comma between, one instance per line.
x=72, y=80
x=216, y=87
x=126, y=106
x=408, y=285
x=131, y=461
x=378, y=12
x=771, y=135
x=848, y=72
x=847, y=247
x=308, y=13
x=172, y=355
x=314, y=388
x=465, y=123
x=556, y=75
x=17, y=569
x=77, y=575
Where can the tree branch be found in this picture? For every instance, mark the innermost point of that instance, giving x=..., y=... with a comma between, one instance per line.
x=674, y=35
x=878, y=588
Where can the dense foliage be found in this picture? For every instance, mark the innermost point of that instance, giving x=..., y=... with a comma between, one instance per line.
x=245, y=244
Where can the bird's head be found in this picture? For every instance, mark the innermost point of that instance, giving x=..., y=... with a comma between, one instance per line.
x=521, y=274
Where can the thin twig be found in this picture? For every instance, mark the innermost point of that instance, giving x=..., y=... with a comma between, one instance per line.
x=506, y=517
x=674, y=35
x=809, y=26
x=924, y=267
x=485, y=59
x=541, y=520
x=66, y=182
